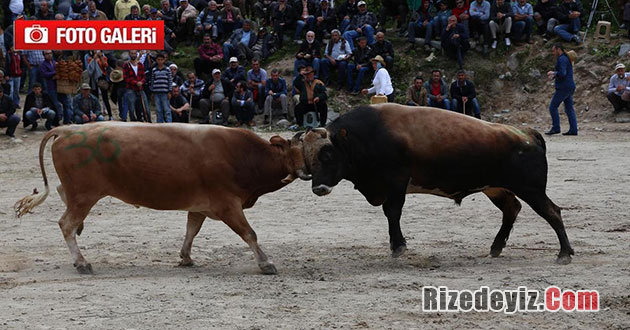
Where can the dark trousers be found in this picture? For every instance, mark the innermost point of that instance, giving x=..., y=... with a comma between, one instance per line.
x=617, y=102
x=105, y=99
x=183, y=118
x=244, y=113
x=203, y=66
x=320, y=108
x=455, y=48
x=11, y=123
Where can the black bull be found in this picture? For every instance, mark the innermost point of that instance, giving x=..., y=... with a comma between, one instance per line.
x=390, y=150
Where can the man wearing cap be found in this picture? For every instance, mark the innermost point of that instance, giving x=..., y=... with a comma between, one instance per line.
x=95, y=14
x=216, y=97
x=8, y=118
x=118, y=88
x=86, y=107
x=123, y=8
x=618, y=85
x=210, y=56
x=185, y=16
x=276, y=94
x=178, y=76
x=362, y=23
x=312, y=97
x=234, y=72
x=38, y=105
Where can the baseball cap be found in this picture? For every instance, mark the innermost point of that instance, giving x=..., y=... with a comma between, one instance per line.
x=216, y=71
x=361, y=3
x=153, y=10
x=183, y=0
x=233, y=59
x=85, y=86
x=84, y=11
x=172, y=66
x=620, y=66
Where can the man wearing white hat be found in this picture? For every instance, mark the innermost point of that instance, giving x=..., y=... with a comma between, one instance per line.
x=618, y=85
x=215, y=99
x=234, y=72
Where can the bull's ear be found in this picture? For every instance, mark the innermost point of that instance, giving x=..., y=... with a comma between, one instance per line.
x=278, y=141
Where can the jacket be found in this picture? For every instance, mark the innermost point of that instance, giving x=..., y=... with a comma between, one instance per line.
x=131, y=78
x=313, y=49
x=238, y=34
x=228, y=89
x=419, y=97
x=7, y=106
x=384, y=49
x=347, y=9
x=319, y=90
x=278, y=88
x=564, y=74
x=47, y=71
x=546, y=9
x=286, y=16
x=94, y=106
x=565, y=8
x=467, y=89
x=505, y=9
x=359, y=20
x=205, y=53
x=443, y=89
x=298, y=8
x=30, y=103
x=234, y=75
x=362, y=56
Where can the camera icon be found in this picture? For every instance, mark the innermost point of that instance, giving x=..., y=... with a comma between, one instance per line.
x=36, y=34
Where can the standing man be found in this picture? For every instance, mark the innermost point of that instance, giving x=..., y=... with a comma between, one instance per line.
x=133, y=72
x=8, y=118
x=161, y=86
x=86, y=106
x=33, y=59
x=618, y=85
x=565, y=87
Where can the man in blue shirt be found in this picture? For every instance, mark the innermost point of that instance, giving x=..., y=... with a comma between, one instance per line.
x=618, y=85
x=479, y=19
x=523, y=20
x=256, y=80
x=276, y=91
x=565, y=88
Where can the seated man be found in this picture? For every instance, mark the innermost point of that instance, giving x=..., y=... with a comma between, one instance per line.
x=479, y=18
x=464, y=97
x=361, y=64
x=86, y=106
x=207, y=23
x=234, y=72
x=305, y=14
x=276, y=91
x=385, y=49
x=261, y=48
x=422, y=26
x=440, y=20
x=185, y=16
x=8, y=118
x=256, y=79
x=500, y=21
x=312, y=98
x=336, y=53
x=210, y=56
x=180, y=108
x=134, y=15
x=416, y=93
x=325, y=21
x=545, y=17
x=282, y=18
x=363, y=23
x=523, y=20
x=240, y=41
x=569, y=13
x=308, y=54
x=462, y=12
x=216, y=96
x=231, y=18
x=243, y=104
x=454, y=40
x=345, y=12
x=619, y=83
x=191, y=89
x=437, y=91
x=262, y=11
x=38, y=105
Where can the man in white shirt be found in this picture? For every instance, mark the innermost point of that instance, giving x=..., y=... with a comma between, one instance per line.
x=618, y=85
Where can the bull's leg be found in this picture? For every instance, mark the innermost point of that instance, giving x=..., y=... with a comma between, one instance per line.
x=195, y=220
x=510, y=206
x=542, y=205
x=393, y=210
x=71, y=223
x=235, y=219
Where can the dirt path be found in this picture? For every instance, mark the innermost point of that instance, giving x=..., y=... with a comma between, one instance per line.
x=331, y=253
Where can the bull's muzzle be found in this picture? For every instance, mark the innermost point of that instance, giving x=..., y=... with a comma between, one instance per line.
x=322, y=190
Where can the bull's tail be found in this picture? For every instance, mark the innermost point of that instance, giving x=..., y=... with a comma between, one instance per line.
x=538, y=138
x=28, y=203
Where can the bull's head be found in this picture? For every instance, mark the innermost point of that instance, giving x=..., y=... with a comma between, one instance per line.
x=294, y=158
x=322, y=160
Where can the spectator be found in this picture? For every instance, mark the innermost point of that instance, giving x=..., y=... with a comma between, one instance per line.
x=382, y=83
x=263, y=10
x=312, y=98
x=216, y=95
x=523, y=20
x=8, y=118
x=437, y=90
x=276, y=94
x=243, y=104
x=134, y=15
x=501, y=21
x=167, y=14
x=240, y=42
x=192, y=89
x=45, y=13
x=479, y=18
x=337, y=53
x=210, y=56
x=383, y=48
x=33, y=60
x=106, y=7
x=180, y=108
x=619, y=84
x=455, y=40
x=308, y=54
x=234, y=72
x=123, y=8
x=84, y=15
x=98, y=70
x=361, y=64
x=424, y=23
x=117, y=95
x=440, y=20
x=363, y=23
x=38, y=105
x=178, y=76
x=305, y=12
x=565, y=88
x=545, y=17
x=15, y=74
x=5, y=83
x=345, y=12
x=282, y=17
x=208, y=22
x=133, y=72
x=416, y=93
x=48, y=72
x=94, y=14
x=161, y=85
x=462, y=12
x=325, y=21
x=12, y=9
x=464, y=97
x=231, y=18
x=398, y=10
x=256, y=79
x=146, y=11
x=86, y=107
x=261, y=48
x=185, y=16
x=569, y=13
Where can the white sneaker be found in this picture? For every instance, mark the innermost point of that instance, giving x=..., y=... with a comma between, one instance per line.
x=507, y=42
x=494, y=44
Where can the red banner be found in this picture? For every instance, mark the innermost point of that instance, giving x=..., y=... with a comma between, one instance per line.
x=89, y=35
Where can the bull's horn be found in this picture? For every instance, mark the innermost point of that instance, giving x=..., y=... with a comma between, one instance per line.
x=303, y=175
x=288, y=179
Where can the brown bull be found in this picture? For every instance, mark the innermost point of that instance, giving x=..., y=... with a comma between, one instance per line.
x=209, y=171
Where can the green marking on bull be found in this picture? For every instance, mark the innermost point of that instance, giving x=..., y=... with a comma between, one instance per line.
x=520, y=133
x=95, y=152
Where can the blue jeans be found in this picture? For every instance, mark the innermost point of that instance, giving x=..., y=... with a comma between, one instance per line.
x=228, y=51
x=47, y=114
x=568, y=31
x=310, y=22
x=439, y=24
x=566, y=97
x=11, y=123
x=162, y=107
x=122, y=104
x=33, y=77
x=520, y=28
x=368, y=31
x=417, y=26
x=79, y=119
x=324, y=66
x=314, y=63
x=357, y=85
x=64, y=99
x=343, y=26
x=15, y=89
x=131, y=96
x=475, y=106
x=445, y=104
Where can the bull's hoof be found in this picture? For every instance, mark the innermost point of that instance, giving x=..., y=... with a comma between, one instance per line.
x=269, y=269
x=85, y=269
x=563, y=260
x=186, y=263
x=495, y=252
x=397, y=252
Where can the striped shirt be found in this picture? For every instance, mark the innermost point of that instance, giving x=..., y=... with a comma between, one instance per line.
x=161, y=80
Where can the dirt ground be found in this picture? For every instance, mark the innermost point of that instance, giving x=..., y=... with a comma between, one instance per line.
x=331, y=252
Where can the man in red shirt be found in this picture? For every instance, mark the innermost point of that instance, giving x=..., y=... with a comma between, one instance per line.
x=210, y=57
x=133, y=73
x=461, y=11
x=437, y=90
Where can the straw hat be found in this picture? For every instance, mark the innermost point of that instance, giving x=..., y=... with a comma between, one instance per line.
x=378, y=58
x=116, y=76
